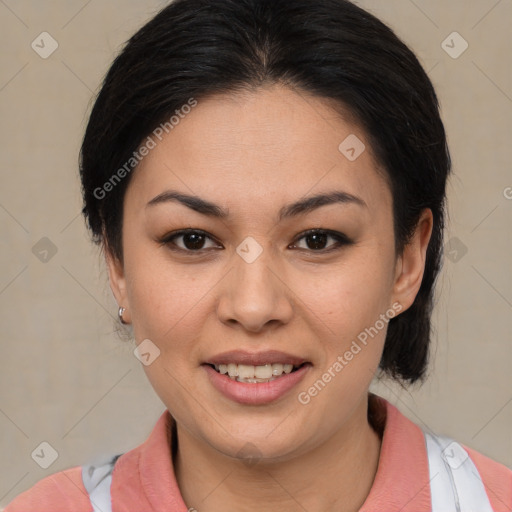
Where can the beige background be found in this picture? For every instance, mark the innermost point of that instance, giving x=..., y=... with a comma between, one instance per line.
x=66, y=378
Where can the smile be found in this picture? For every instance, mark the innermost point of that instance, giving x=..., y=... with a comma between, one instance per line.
x=255, y=374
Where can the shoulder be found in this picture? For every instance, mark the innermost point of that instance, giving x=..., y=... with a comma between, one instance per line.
x=497, y=479
x=68, y=490
x=405, y=459
x=62, y=491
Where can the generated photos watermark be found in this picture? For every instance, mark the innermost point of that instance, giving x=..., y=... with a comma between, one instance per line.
x=304, y=397
x=144, y=149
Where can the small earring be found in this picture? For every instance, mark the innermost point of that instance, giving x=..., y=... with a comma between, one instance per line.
x=120, y=315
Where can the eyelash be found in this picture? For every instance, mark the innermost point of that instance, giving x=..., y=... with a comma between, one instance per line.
x=341, y=240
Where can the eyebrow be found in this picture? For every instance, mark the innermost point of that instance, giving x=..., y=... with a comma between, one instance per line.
x=300, y=207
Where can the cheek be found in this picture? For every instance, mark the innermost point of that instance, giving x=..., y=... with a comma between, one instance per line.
x=351, y=333
x=351, y=294
x=167, y=300
x=345, y=314
x=169, y=309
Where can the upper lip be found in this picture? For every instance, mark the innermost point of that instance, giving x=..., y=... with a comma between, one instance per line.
x=255, y=358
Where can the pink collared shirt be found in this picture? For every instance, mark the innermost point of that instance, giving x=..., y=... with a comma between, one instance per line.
x=143, y=479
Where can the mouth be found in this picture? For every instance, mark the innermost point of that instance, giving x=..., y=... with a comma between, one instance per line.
x=256, y=378
x=258, y=384
x=255, y=374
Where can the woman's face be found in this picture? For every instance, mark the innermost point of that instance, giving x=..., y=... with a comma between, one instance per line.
x=252, y=281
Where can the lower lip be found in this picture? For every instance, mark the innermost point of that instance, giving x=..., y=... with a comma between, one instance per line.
x=255, y=393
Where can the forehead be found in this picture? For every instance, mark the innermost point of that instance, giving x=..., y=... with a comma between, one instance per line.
x=263, y=147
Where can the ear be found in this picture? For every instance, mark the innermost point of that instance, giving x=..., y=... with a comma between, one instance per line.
x=117, y=281
x=410, y=265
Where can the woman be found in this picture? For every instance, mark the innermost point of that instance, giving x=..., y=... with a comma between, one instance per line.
x=267, y=180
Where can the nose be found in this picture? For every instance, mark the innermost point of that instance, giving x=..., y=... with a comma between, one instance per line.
x=255, y=295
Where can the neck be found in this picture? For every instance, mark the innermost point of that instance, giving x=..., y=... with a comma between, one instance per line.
x=336, y=475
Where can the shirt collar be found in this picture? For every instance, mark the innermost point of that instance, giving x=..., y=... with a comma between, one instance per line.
x=145, y=476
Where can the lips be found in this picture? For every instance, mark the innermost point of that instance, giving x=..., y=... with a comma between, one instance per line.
x=256, y=393
x=250, y=383
x=255, y=358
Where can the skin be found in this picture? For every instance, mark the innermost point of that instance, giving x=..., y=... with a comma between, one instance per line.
x=252, y=153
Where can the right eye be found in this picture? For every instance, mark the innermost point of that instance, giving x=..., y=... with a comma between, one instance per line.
x=192, y=240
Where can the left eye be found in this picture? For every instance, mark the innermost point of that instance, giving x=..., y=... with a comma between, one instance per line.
x=317, y=239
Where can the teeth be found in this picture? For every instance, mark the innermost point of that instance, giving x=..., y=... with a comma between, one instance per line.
x=250, y=373
x=277, y=369
x=245, y=371
x=233, y=370
x=263, y=372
